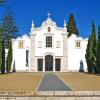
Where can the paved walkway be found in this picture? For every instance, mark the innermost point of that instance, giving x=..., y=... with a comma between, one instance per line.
x=51, y=82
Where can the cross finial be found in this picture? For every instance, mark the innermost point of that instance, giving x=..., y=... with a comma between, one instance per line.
x=33, y=23
x=48, y=15
x=65, y=23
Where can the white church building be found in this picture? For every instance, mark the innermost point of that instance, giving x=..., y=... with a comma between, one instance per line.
x=48, y=48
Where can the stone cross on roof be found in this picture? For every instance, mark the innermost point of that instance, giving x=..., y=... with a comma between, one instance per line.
x=48, y=15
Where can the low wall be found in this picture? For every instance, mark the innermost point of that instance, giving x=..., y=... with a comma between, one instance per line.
x=49, y=95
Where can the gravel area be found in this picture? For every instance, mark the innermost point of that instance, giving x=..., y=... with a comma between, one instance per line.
x=81, y=81
x=19, y=81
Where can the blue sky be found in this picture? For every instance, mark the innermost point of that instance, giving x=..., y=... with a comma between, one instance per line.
x=24, y=11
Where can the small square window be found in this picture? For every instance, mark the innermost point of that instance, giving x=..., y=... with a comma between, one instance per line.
x=78, y=44
x=21, y=44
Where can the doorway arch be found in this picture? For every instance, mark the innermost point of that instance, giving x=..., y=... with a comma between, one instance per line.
x=48, y=63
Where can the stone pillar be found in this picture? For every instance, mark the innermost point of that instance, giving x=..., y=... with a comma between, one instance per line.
x=53, y=64
x=43, y=64
x=32, y=53
x=65, y=54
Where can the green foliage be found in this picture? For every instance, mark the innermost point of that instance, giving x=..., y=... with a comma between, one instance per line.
x=7, y=32
x=91, y=51
x=2, y=2
x=3, y=58
x=9, y=28
x=72, y=29
x=93, y=48
x=0, y=45
x=87, y=56
x=98, y=51
x=9, y=57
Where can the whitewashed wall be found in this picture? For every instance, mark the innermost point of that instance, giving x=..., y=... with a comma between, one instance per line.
x=76, y=55
x=19, y=55
x=41, y=36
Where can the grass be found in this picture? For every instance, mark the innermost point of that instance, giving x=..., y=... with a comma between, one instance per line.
x=81, y=81
x=20, y=81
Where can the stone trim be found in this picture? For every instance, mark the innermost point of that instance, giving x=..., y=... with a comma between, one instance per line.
x=54, y=57
x=32, y=53
x=50, y=93
x=65, y=54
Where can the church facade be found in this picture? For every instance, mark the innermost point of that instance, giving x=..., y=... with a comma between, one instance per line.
x=48, y=48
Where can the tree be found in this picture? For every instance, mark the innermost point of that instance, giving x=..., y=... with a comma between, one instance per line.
x=2, y=2
x=0, y=46
x=9, y=57
x=91, y=51
x=98, y=51
x=3, y=58
x=72, y=29
x=9, y=27
x=93, y=47
x=88, y=56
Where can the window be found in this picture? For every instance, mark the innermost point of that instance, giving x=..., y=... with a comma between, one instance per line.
x=40, y=64
x=58, y=44
x=57, y=64
x=20, y=44
x=78, y=44
x=49, y=41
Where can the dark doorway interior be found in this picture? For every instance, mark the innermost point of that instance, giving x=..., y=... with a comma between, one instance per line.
x=40, y=64
x=27, y=57
x=57, y=64
x=48, y=63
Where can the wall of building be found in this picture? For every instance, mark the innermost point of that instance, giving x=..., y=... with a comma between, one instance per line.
x=41, y=36
x=19, y=54
x=72, y=58
x=76, y=56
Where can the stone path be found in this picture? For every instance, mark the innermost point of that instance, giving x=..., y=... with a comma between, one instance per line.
x=51, y=82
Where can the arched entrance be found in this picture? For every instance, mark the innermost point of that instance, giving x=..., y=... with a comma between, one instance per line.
x=49, y=63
